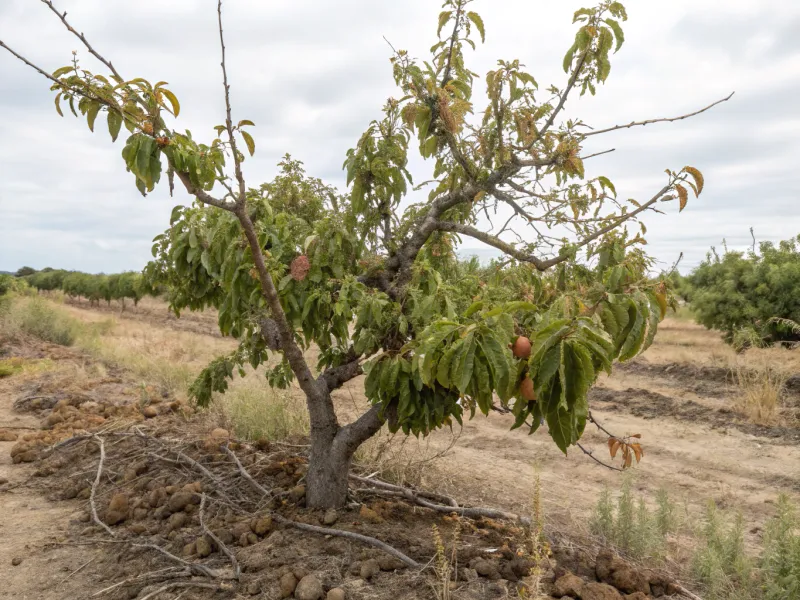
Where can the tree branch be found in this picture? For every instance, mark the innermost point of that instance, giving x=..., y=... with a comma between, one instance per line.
x=491, y=240
x=201, y=194
x=228, y=122
x=82, y=38
x=336, y=377
x=453, y=36
x=664, y=120
x=351, y=436
x=563, y=99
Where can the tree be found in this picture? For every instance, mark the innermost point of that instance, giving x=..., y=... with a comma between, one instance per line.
x=373, y=284
x=24, y=272
x=753, y=298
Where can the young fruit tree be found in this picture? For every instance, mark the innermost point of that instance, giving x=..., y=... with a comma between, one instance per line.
x=368, y=281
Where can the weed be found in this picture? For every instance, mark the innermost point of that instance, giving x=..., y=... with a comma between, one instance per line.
x=760, y=391
x=720, y=562
x=257, y=411
x=40, y=319
x=630, y=526
x=780, y=562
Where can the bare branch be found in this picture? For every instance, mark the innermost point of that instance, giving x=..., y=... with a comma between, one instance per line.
x=601, y=232
x=598, y=154
x=82, y=38
x=351, y=436
x=34, y=67
x=591, y=455
x=95, y=485
x=202, y=195
x=491, y=240
x=563, y=99
x=222, y=547
x=336, y=377
x=664, y=120
x=228, y=122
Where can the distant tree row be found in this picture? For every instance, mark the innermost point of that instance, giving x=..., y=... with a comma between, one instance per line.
x=95, y=288
x=753, y=297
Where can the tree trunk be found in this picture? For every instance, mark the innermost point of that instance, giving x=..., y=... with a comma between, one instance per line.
x=327, y=479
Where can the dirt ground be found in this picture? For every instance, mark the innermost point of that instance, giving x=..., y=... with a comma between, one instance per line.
x=678, y=396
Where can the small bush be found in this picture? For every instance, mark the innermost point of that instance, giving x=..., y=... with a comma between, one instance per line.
x=780, y=562
x=41, y=320
x=720, y=562
x=630, y=526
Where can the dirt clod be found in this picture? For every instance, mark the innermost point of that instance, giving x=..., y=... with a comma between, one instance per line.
x=202, y=547
x=369, y=568
x=288, y=585
x=330, y=517
x=149, y=412
x=180, y=500
x=369, y=515
x=309, y=588
x=16, y=561
x=599, y=591
x=262, y=526
x=7, y=436
x=335, y=594
x=568, y=585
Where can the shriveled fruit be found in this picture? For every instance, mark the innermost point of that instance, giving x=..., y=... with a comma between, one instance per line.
x=526, y=388
x=521, y=347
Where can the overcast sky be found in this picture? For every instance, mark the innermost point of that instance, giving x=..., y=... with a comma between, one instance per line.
x=311, y=74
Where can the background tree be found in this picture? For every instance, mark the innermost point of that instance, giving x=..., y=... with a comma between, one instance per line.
x=373, y=282
x=753, y=297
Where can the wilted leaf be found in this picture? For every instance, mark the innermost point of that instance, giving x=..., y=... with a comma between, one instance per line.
x=683, y=194
x=248, y=139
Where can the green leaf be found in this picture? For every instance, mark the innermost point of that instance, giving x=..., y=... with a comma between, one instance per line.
x=478, y=21
x=559, y=422
x=619, y=36
x=633, y=342
x=568, y=57
x=248, y=139
x=114, y=124
x=173, y=100
x=91, y=114
x=244, y=122
x=444, y=17
x=62, y=71
x=466, y=363
x=474, y=307
x=58, y=104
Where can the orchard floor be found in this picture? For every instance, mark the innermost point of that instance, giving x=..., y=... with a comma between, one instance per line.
x=678, y=396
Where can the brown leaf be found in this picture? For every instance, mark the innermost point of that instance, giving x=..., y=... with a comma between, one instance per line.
x=637, y=450
x=683, y=194
x=613, y=446
x=698, y=178
x=637, y=435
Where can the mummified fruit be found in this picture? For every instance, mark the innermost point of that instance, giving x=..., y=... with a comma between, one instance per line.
x=521, y=347
x=300, y=267
x=526, y=389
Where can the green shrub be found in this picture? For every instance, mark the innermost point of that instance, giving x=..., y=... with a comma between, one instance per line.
x=720, y=562
x=752, y=298
x=780, y=562
x=38, y=318
x=630, y=526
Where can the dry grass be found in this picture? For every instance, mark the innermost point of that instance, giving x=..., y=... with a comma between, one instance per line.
x=759, y=390
x=255, y=411
x=402, y=459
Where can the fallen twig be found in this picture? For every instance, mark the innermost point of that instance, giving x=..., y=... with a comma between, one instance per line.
x=180, y=584
x=199, y=569
x=407, y=492
x=257, y=486
x=78, y=570
x=155, y=576
x=222, y=547
x=97, y=483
